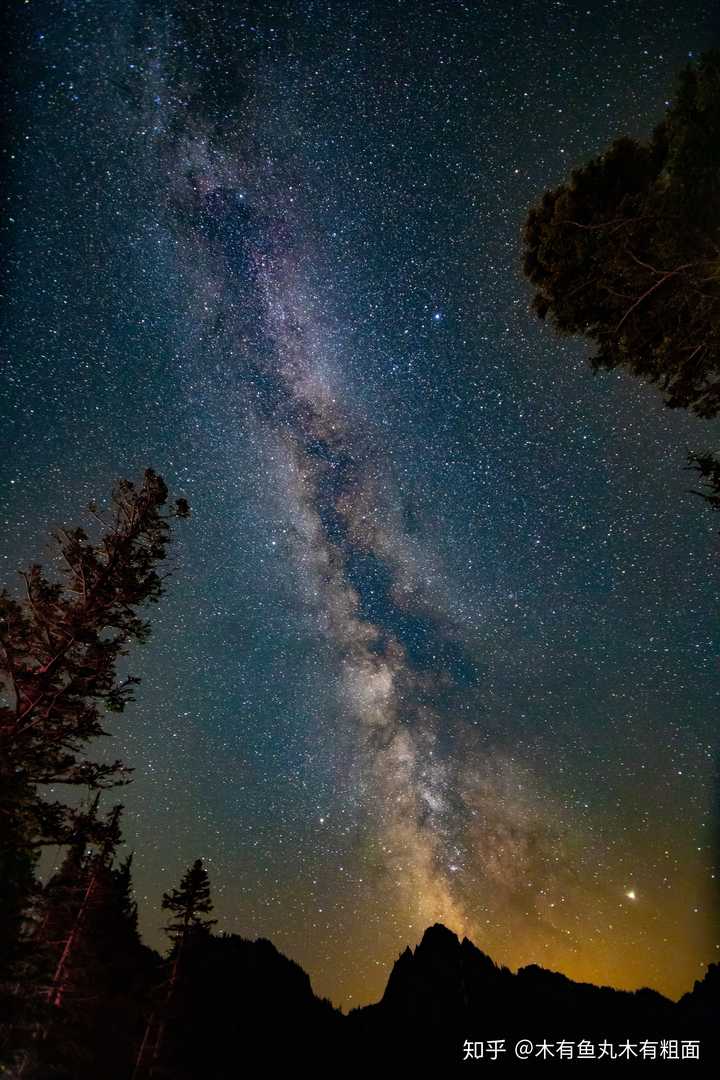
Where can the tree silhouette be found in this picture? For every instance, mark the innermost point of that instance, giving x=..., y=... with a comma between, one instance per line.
x=708, y=467
x=84, y=985
x=59, y=647
x=189, y=903
x=627, y=252
x=189, y=929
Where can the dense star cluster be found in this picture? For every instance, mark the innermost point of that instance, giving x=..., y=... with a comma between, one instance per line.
x=440, y=643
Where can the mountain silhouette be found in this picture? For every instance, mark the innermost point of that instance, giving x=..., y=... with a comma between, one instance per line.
x=447, y=991
x=243, y=1000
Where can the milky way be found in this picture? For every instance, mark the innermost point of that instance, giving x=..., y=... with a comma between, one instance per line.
x=422, y=657
x=447, y=833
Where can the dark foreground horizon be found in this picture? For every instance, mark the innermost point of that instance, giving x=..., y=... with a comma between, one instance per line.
x=446, y=1004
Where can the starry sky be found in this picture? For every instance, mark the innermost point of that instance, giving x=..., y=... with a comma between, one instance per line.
x=440, y=642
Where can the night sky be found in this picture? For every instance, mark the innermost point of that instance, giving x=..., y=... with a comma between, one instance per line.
x=441, y=638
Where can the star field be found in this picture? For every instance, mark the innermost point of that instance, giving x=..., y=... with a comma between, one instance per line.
x=440, y=642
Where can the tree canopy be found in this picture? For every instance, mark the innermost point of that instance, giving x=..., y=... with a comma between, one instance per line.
x=59, y=649
x=627, y=252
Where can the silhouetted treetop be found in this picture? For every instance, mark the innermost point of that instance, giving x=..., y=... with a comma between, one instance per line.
x=190, y=902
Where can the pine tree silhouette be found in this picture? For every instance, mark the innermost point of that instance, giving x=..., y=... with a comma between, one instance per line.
x=59, y=649
x=189, y=904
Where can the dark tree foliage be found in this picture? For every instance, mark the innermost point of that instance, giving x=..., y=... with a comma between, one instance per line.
x=59, y=648
x=189, y=931
x=86, y=984
x=708, y=467
x=189, y=903
x=101, y=990
x=627, y=252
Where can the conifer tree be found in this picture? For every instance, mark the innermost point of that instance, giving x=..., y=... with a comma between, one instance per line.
x=189, y=904
x=59, y=647
x=707, y=465
x=80, y=890
x=626, y=253
x=79, y=987
x=100, y=970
